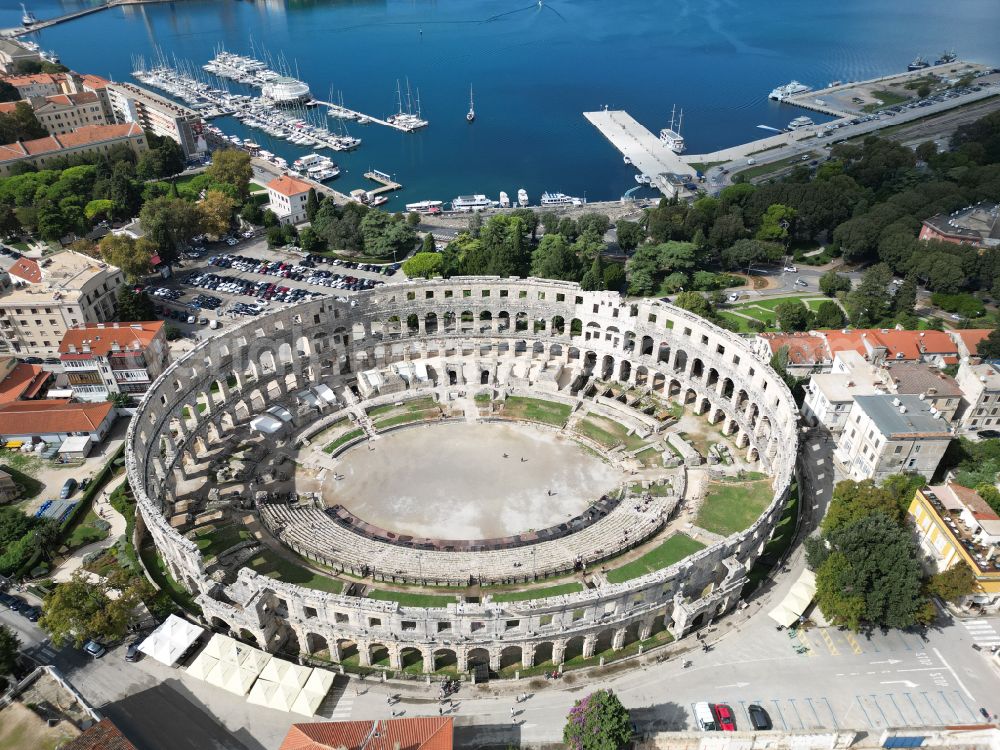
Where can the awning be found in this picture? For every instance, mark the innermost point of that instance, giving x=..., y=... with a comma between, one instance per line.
x=273, y=695
x=311, y=697
x=796, y=601
x=285, y=673
x=170, y=640
x=266, y=423
x=202, y=666
x=325, y=392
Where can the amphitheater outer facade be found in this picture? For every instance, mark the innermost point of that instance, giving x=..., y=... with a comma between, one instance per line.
x=469, y=325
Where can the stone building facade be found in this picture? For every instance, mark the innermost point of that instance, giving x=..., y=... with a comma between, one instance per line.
x=471, y=327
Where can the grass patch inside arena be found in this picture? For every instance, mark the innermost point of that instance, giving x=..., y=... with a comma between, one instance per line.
x=520, y=596
x=343, y=439
x=537, y=410
x=732, y=506
x=676, y=548
x=273, y=565
x=608, y=433
x=214, y=541
x=412, y=599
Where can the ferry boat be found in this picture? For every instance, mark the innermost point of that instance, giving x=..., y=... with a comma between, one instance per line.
x=425, y=207
x=522, y=197
x=309, y=160
x=800, y=122
x=791, y=88
x=504, y=200
x=27, y=17
x=560, y=199
x=471, y=203
x=672, y=138
x=918, y=63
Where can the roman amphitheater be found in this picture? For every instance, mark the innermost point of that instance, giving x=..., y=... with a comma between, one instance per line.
x=486, y=473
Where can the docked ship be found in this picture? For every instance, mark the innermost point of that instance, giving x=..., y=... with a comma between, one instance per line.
x=522, y=197
x=799, y=122
x=672, y=138
x=409, y=120
x=27, y=17
x=504, y=200
x=789, y=89
x=560, y=199
x=471, y=203
x=644, y=179
x=425, y=207
x=946, y=57
x=918, y=63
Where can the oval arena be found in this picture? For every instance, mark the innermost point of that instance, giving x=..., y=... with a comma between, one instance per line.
x=439, y=475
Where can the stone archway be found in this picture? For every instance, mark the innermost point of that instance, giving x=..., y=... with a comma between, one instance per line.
x=478, y=657
x=510, y=659
x=378, y=655
x=543, y=654
x=445, y=660
x=411, y=660
x=574, y=649
x=348, y=651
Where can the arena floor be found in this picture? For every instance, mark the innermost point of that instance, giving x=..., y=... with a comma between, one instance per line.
x=451, y=481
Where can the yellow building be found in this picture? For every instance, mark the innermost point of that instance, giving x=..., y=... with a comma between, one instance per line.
x=953, y=523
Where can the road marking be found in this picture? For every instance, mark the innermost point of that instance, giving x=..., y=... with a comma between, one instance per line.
x=902, y=719
x=796, y=710
x=852, y=642
x=966, y=706
x=907, y=683
x=781, y=716
x=879, y=707
x=833, y=716
x=905, y=643
x=864, y=710
x=953, y=674
x=933, y=707
x=829, y=642
x=920, y=717
x=735, y=685
x=887, y=661
x=818, y=722
x=948, y=704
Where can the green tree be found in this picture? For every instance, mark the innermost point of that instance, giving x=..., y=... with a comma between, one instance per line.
x=874, y=560
x=593, y=279
x=412, y=218
x=8, y=92
x=832, y=282
x=793, y=316
x=953, y=584
x=310, y=241
x=20, y=124
x=231, y=167
x=428, y=244
x=386, y=235
x=423, y=265
x=10, y=644
x=726, y=230
x=743, y=254
x=868, y=305
x=594, y=222
x=99, y=209
x=852, y=501
x=630, y=234
x=216, y=211
x=80, y=609
x=134, y=306
x=904, y=301
x=553, y=259
x=776, y=223
x=989, y=347
x=598, y=722
x=694, y=302
x=130, y=255
x=124, y=191
x=170, y=223
x=828, y=315
x=312, y=204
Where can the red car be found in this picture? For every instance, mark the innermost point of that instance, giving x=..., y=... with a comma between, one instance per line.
x=724, y=715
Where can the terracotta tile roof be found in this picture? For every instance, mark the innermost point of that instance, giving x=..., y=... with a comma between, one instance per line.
x=972, y=500
x=35, y=78
x=419, y=733
x=27, y=269
x=899, y=345
x=104, y=735
x=51, y=415
x=101, y=337
x=68, y=100
x=80, y=137
x=24, y=381
x=93, y=82
x=971, y=337
x=8, y=107
x=803, y=348
x=288, y=186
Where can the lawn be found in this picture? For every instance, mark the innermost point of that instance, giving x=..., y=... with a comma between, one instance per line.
x=399, y=419
x=420, y=404
x=608, y=433
x=520, y=596
x=162, y=578
x=888, y=99
x=217, y=540
x=30, y=487
x=704, y=166
x=730, y=506
x=273, y=565
x=537, y=410
x=762, y=169
x=345, y=438
x=411, y=599
x=781, y=540
x=763, y=310
x=740, y=324
x=657, y=490
x=676, y=548
x=86, y=531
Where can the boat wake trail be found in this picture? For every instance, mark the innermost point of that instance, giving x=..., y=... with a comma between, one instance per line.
x=768, y=127
x=498, y=16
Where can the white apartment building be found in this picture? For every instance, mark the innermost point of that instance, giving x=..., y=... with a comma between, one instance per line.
x=131, y=103
x=888, y=434
x=980, y=386
x=287, y=199
x=105, y=358
x=48, y=298
x=830, y=396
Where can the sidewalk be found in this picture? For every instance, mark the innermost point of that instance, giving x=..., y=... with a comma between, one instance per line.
x=102, y=507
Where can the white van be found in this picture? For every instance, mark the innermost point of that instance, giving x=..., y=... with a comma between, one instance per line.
x=704, y=717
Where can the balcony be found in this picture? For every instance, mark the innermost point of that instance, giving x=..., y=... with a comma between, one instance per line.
x=965, y=537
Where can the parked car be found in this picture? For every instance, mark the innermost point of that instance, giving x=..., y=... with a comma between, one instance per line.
x=758, y=717
x=724, y=715
x=32, y=613
x=132, y=653
x=10, y=601
x=68, y=488
x=791, y=269
x=989, y=434
x=801, y=282
x=95, y=649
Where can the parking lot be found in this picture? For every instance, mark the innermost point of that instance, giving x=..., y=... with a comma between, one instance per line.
x=211, y=286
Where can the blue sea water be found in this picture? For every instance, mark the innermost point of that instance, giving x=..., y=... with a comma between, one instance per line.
x=535, y=69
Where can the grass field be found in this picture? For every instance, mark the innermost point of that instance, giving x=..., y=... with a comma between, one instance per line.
x=345, y=438
x=888, y=99
x=383, y=424
x=274, y=566
x=520, y=596
x=85, y=531
x=730, y=506
x=410, y=599
x=217, y=540
x=162, y=578
x=537, y=410
x=608, y=433
x=30, y=487
x=781, y=540
x=420, y=404
x=763, y=310
x=676, y=548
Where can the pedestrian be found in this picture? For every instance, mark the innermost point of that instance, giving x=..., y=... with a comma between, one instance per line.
x=511, y=710
x=513, y=721
x=440, y=711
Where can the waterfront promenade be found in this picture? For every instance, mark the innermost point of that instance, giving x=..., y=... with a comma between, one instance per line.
x=39, y=25
x=647, y=153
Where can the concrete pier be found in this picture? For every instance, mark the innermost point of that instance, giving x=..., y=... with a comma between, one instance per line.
x=647, y=153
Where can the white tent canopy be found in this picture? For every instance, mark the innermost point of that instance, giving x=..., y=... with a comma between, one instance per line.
x=796, y=600
x=325, y=392
x=202, y=666
x=285, y=673
x=266, y=423
x=170, y=640
x=313, y=693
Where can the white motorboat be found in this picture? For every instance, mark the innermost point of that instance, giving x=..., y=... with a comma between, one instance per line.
x=800, y=122
x=644, y=179
x=560, y=199
x=471, y=203
x=522, y=197
x=425, y=207
x=471, y=114
x=504, y=200
x=626, y=160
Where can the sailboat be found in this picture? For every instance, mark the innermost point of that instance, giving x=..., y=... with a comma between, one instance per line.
x=471, y=114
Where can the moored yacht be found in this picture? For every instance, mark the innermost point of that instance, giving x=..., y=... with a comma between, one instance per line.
x=522, y=197
x=471, y=203
x=504, y=200
x=560, y=199
x=780, y=93
x=800, y=122
x=671, y=137
x=425, y=207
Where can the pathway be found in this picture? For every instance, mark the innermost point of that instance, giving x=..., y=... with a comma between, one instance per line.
x=102, y=507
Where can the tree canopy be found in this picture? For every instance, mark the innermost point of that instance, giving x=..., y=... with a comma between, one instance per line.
x=598, y=722
x=81, y=609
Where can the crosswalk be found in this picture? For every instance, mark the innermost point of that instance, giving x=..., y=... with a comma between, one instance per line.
x=982, y=632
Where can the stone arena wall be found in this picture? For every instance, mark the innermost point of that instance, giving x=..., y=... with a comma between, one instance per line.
x=470, y=327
